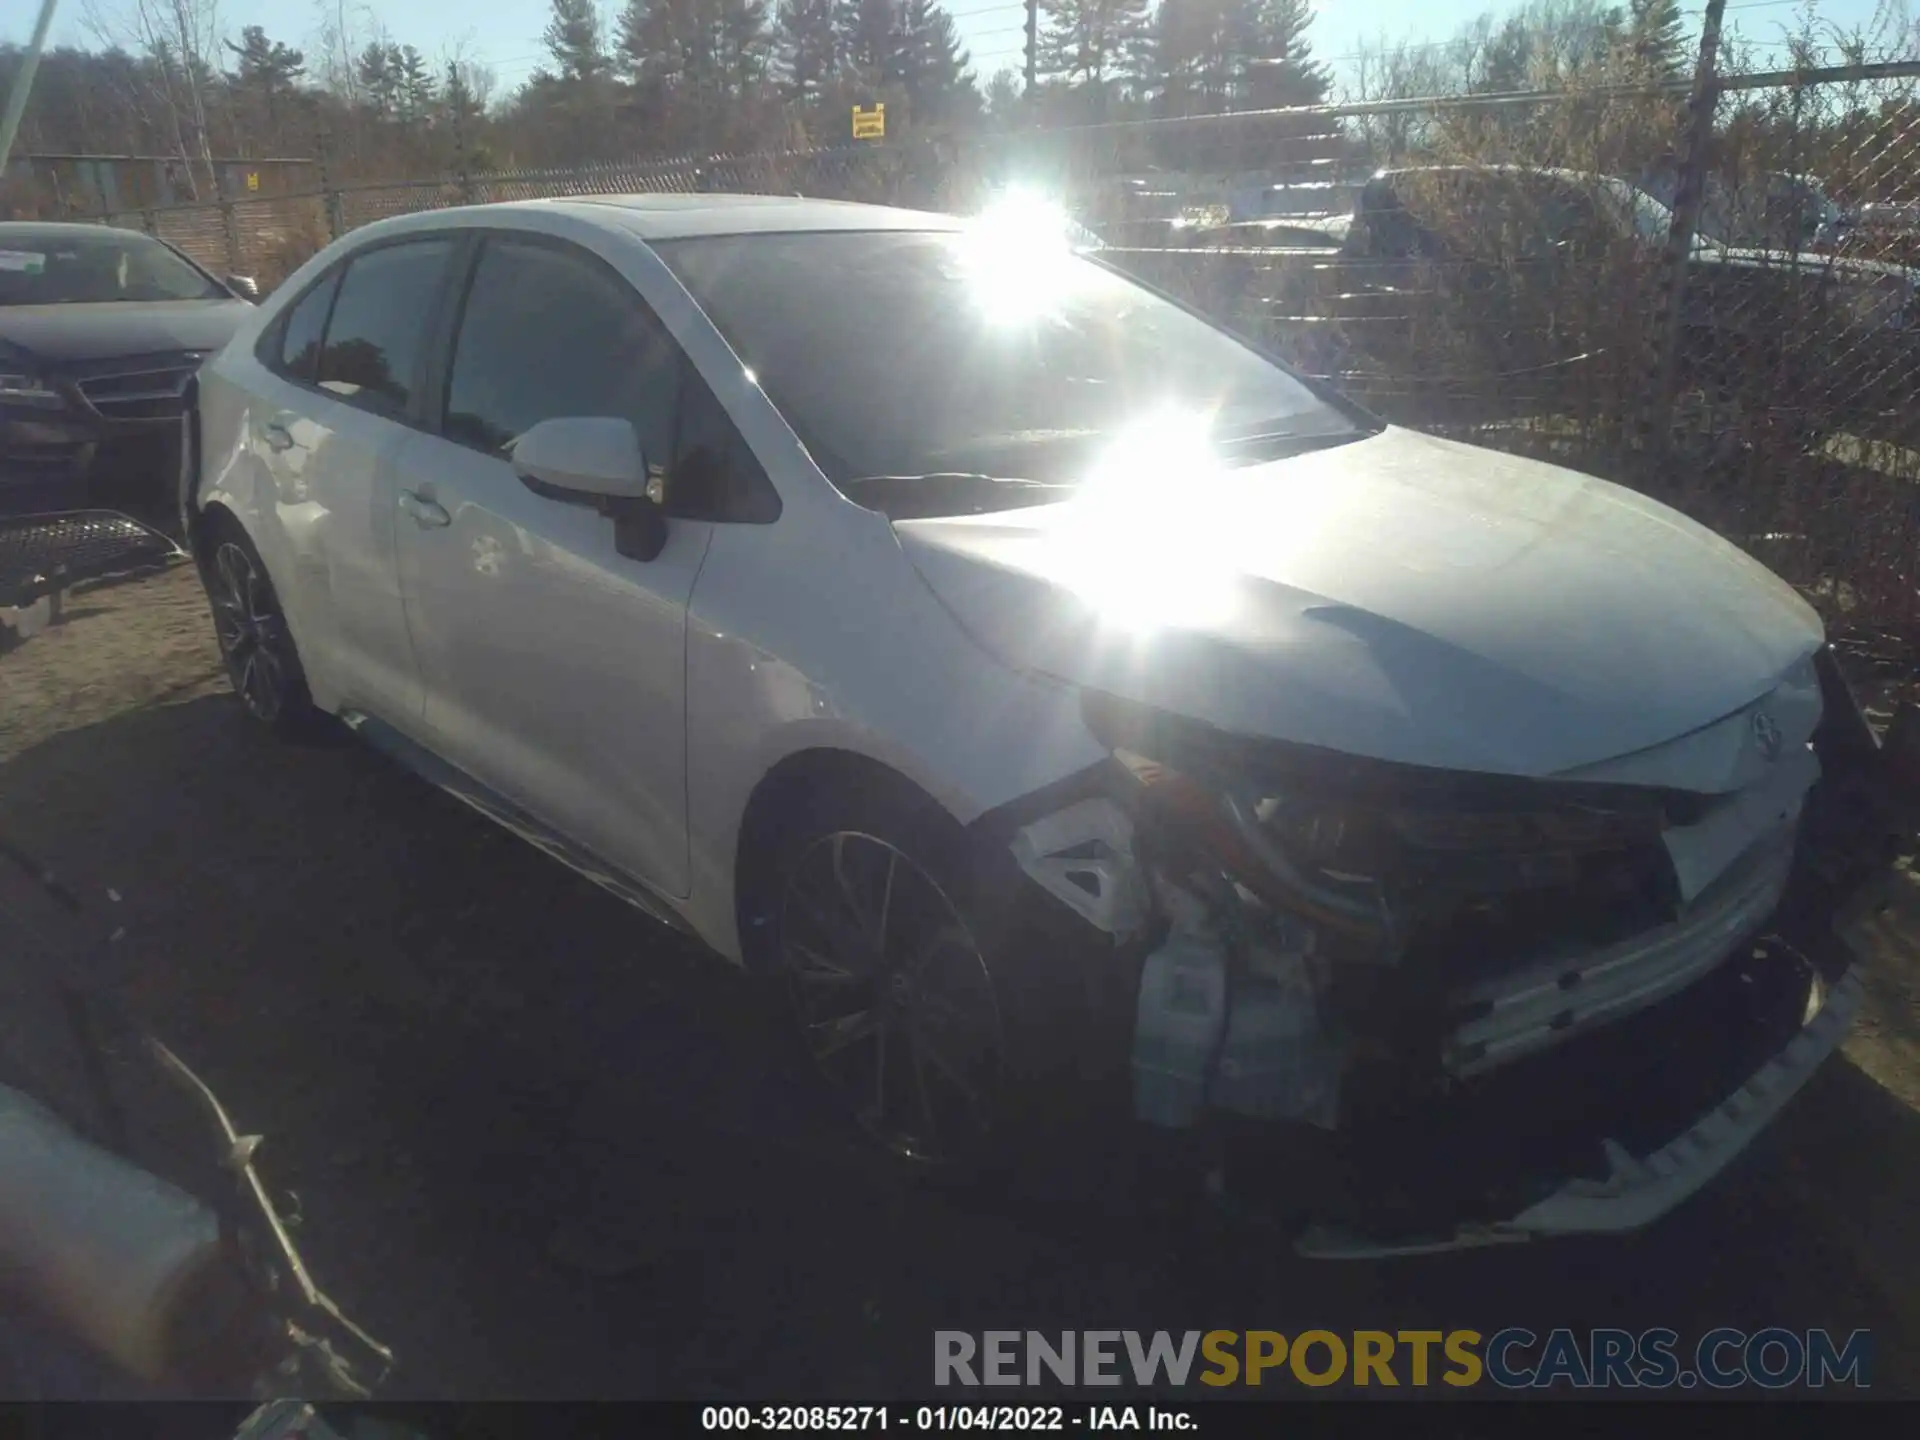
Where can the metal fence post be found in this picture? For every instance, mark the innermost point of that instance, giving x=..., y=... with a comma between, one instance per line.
x=329, y=197
x=1689, y=185
x=229, y=222
x=454, y=107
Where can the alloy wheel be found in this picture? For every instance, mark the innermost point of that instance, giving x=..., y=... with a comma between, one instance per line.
x=251, y=631
x=892, y=995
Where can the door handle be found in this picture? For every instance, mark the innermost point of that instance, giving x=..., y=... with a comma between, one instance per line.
x=426, y=514
x=279, y=438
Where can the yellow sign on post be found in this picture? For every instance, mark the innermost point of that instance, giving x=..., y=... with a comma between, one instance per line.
x=870, y=124
x=253, y=180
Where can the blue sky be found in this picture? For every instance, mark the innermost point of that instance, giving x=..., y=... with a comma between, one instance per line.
x=506, y=33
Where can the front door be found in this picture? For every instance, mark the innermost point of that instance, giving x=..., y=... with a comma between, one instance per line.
x=553, y=666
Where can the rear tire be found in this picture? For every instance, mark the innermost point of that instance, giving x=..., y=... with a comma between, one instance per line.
x=251, y=629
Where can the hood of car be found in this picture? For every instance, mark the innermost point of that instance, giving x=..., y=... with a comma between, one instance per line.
x=1807, y=262
x=1399, y=597
x=56, y=334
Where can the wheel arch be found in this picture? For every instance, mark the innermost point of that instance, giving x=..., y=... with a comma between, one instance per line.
x=770, y=806
x=207, y=525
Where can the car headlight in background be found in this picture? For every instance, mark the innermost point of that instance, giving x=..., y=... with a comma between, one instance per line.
x=20, y=388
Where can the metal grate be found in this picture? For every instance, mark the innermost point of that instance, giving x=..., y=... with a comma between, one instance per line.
x=40, y=554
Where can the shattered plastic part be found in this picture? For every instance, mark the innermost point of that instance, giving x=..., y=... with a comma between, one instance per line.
x=1180, y=1023
x=1083, y=857
x=1702, y=852
x=1639, y=1189
x=1555, y=999
x=1233, y=1027
x=1278, y=1060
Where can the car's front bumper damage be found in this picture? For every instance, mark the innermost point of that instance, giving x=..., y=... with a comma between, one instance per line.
x=1640, y=1189
x=107, y=432
x=1438, y=1082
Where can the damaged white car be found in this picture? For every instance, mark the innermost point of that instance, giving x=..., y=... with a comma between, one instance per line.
x=1073, y=708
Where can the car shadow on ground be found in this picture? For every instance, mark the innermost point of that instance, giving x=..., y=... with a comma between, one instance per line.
x=547, y=1149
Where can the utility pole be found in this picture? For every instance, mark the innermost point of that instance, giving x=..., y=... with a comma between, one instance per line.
x=1676, y=270
x=30, y=62
x=1033, y=45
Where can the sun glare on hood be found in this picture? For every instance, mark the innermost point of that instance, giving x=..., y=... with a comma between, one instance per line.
x=1140, y=549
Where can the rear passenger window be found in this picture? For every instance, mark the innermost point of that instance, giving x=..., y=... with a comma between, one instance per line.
x=299, y=348
x=548, y=333
x=378, y=331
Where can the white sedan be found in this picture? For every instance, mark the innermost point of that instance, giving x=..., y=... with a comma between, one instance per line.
x=1077, y=710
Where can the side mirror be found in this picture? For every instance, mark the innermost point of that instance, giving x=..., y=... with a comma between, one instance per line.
x=595, y=460
x=245, y=286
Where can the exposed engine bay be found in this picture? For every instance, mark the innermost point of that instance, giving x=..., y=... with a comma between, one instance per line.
x=1367, y=951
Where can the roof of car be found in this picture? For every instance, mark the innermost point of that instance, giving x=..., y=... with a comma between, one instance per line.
x=1579, y=177
x=670, y=217
x=75, y=228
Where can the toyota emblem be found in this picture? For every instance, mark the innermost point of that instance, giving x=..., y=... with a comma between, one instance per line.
x=1766, y=734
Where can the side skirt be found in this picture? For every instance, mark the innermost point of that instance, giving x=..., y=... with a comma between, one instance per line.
x=496, y=807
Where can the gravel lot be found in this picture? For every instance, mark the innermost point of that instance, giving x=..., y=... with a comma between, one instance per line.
x=542, y=1150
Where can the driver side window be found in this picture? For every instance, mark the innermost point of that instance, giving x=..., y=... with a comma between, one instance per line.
x=548, y=331
x=546, y=334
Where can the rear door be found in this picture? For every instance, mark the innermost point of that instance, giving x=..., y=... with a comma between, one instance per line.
x=349, y=363
x=554, y=667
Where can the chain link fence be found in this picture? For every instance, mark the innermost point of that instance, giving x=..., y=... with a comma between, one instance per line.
x=1501, y=268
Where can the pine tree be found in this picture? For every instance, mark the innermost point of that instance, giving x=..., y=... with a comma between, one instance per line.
x=697, y=67
x=1507, y=62
x=1005, y=99
x=574, y=40
x=1280, y=68
x=1656, y=43
x=806, y=47
x=413, y=83
x=1197, y=54
x=458, y=103
x=1089, y=43
x=933, y=66
x=742, y=44
x=869, y=32
x=668, y=44
x=577, y=102
x=379, y=77
x=266, y=68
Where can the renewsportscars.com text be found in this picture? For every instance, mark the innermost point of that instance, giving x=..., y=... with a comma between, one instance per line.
x=1774, y=1358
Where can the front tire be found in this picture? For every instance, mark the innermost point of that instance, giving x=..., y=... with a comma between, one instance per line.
x=255, y=644
x=886, y=981
x=942, y=1020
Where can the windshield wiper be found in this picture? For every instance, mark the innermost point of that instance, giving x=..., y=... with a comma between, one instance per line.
x=949, y=492
x=1278, y=444
x=951, y=477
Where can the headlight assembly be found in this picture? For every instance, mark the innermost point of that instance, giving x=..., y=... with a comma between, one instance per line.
x=1345, y=841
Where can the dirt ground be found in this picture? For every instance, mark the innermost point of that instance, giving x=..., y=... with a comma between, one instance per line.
x=543, y=1150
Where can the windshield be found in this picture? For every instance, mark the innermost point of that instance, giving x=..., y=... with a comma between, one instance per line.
x=1781, y=212
x=1648, y=218
x=65, y=267
x=910, y=353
